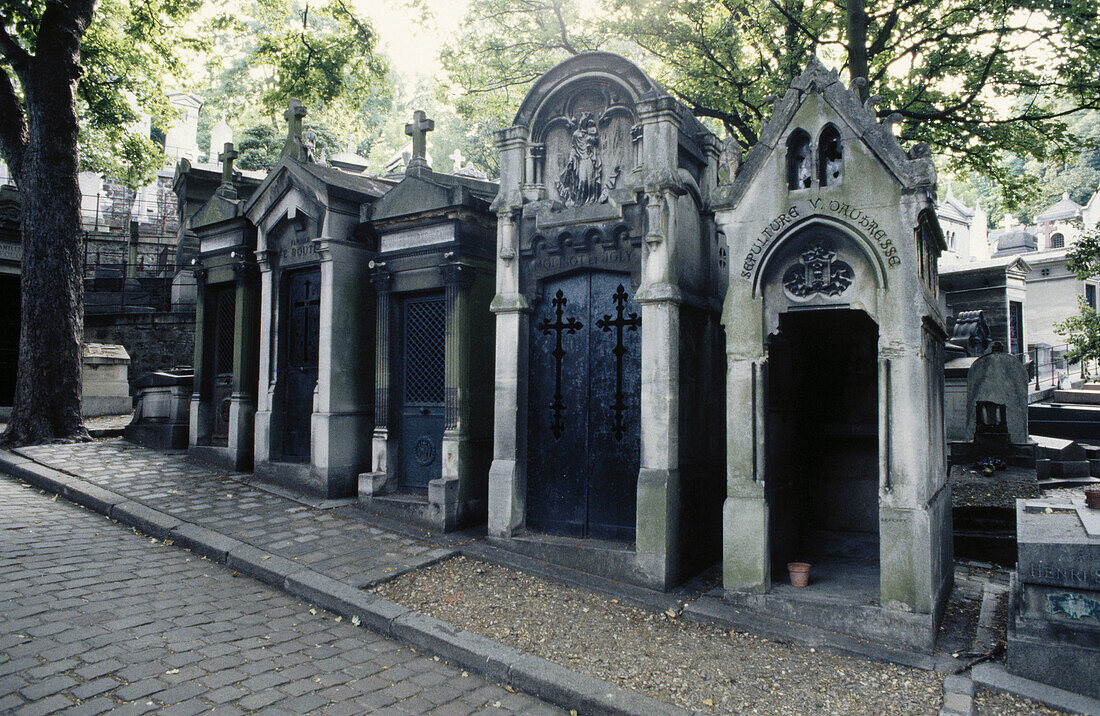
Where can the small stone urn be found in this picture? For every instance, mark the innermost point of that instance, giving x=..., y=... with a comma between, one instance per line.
x=1092, y=498
x=800, y=573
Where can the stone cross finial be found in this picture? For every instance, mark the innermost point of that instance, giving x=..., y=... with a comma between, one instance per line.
x=226, y=158
x=457, y=159
x=418, y=129
x=294, y=114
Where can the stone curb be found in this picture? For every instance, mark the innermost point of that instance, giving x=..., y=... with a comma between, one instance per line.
x=495, y=661
x=993, y=676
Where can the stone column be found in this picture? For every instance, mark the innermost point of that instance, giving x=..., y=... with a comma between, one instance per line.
x=242, y=402
x=383, y=475
x=658, y=500
x=199, y=413
x=265, y=387
x=343, y=413
x=746, y=562
x=508, y=476
x=448, y=495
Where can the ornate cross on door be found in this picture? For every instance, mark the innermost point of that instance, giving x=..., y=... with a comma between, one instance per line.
x=633, y=322
x=557, y=426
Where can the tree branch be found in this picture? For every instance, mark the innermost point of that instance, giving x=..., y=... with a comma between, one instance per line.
x=13, y=51
x=13, y=125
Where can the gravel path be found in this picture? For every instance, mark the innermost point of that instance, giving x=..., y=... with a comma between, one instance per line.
x=694, y=666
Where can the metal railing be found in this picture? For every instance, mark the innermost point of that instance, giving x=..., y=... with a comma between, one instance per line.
x=1047, y=366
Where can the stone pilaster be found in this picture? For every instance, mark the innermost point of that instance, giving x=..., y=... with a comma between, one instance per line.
x=382, y=477
x=242, y=402
x=265, y=388
x=198, y=429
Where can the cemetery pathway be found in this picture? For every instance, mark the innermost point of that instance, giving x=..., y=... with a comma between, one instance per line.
x=225, y=502
x=95, y=617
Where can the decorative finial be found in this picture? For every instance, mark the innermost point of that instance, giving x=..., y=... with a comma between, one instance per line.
x=294, y=114
x=226, y=158
x=418, y=129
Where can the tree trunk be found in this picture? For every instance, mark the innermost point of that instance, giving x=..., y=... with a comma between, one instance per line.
x=857, y=44
x=48, y=384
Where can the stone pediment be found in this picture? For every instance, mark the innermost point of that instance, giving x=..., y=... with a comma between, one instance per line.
x=316, y=182
x=911, y=170
x=217, y=209
x=419, y=194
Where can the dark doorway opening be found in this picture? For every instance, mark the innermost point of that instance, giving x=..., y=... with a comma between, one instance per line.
x=423, y=392
x=9, y=335
x=822, y=444
x=302, y=334
x=219, y=369
x=584, y=408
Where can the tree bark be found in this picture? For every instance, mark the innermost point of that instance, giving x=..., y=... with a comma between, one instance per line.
x=857, y=45
x=48, y=384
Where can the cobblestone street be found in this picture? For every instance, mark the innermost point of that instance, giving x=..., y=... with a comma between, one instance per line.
x=95, y=617
x=224, y=502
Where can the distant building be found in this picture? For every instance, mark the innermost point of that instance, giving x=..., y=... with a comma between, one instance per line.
x=1016, y=273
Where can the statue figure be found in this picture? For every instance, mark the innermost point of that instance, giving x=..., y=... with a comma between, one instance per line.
x=309, y=145
x=580, y=182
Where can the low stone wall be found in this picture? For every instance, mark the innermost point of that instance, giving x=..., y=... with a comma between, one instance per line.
x=155, y=341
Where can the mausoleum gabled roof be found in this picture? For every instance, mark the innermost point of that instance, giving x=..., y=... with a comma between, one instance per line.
x=1065, y=208
x=912, y=170
x=951, y=207
x=428, y=191
x=217, y=208
x=317, y=180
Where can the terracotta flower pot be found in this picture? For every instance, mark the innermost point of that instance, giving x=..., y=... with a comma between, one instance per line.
x=800, y=573
x=1092, y=498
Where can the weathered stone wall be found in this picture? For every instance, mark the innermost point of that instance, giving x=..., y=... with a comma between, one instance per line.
x=155, y=341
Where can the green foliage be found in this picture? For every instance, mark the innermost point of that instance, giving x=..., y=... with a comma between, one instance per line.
x=1083, y=257
x=268, y=51
x=127, y=53
x=1082, y=333
x=977, y=81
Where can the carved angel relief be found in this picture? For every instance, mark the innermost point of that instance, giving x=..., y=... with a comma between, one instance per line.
x=594, y=122
x=818, y=270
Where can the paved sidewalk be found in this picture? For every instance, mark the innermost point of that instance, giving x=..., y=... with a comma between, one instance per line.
x=337, y=542
x=96, y=618
x=321, y=552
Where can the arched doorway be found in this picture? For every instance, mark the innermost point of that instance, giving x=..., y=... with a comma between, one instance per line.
x=822, y=443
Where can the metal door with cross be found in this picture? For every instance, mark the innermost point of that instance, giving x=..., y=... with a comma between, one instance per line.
x=584, y=408
x=423, y=392
x=224, y=300
x=302, y=331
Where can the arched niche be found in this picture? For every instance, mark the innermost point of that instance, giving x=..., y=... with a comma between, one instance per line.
x=586, y=130
x=830, y=156
x=799, y=160
x=818, y=265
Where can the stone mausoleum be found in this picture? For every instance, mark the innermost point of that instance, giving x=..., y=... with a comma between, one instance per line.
x=835, y=345
x=227, y=327
x=609, y=433
x=433, y=282
x=315, y=403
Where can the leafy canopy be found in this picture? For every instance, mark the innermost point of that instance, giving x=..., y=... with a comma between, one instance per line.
x=974, y=79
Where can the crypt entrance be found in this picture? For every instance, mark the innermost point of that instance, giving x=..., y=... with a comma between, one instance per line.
x=821, y=446
x=584, y=407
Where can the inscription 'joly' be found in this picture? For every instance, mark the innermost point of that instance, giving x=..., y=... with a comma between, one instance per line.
x=853, y=215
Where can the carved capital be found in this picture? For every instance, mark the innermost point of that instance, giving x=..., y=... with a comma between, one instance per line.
x=457, y=275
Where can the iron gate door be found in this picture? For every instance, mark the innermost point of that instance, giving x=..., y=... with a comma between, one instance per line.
x=9, y=335
x=225, y=304
x=420, y=435
x=302, y=334
x=584, y=408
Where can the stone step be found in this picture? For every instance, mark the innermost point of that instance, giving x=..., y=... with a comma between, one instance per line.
x=1058, y=449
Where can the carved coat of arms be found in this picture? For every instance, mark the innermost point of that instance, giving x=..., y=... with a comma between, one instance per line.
x=818, y=270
